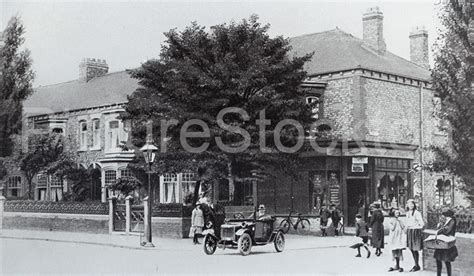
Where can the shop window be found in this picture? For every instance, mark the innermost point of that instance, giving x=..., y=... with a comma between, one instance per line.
x=96, y=133
x=392, y=189
x=170, y=188
x=83, y=134
x=443, y=191
x=14, y=186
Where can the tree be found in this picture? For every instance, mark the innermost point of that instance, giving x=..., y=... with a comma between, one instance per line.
x=15, y=82
x=201, y=73
x=43, y=151
x=453, y=76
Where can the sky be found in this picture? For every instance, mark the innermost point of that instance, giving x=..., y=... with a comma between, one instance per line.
x=60, y=34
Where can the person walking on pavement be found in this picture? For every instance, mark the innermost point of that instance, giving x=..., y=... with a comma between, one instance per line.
x=376, y=223
x=362, y=231
x=397, y=239
x=197, y=223
x=324, y=215
x=414, y=224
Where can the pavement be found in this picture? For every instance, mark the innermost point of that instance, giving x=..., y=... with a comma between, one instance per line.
x=43, y=252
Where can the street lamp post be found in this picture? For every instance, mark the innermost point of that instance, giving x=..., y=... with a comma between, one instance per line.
x=149, y=152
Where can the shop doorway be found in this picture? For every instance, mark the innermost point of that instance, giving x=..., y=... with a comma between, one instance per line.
x=356, y=199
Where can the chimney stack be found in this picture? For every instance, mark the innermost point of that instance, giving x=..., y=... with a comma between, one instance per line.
x=91, y=68
x=419, y=47
x=372, y=22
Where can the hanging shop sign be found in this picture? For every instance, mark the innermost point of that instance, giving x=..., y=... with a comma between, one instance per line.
x=357, y=168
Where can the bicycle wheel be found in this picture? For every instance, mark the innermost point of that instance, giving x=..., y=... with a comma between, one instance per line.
x=303, y=227
x=285, y=226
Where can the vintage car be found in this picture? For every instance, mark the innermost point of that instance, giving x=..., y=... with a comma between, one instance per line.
x=243, y=234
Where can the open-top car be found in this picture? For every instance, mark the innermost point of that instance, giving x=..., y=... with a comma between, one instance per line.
x=243, y=234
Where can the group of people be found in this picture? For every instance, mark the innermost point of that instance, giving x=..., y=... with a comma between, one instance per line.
x=329, y=218
x=206, y=216
x=407, y=234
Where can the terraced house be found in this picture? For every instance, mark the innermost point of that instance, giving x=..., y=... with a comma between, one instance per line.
x=379, y=106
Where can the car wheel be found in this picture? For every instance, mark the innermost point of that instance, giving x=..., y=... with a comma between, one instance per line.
x=285, y=226
x=304, y=227
x=210, y=244
x=245, y=244
x=279, y=242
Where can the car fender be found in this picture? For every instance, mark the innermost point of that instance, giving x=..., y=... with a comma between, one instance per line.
x=240, y=232
x=274, y=234
x=208, y=232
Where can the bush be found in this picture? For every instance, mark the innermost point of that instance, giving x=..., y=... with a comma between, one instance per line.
x=125, y=185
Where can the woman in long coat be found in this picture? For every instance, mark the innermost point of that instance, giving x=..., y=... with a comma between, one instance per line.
x=376, y=223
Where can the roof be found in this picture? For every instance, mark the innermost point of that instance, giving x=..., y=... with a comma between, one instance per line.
x=109, y=89
x=336, y=51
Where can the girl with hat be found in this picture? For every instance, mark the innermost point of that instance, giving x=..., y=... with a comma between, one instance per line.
x=447, y=226
x=414, y=225
x=197, y=223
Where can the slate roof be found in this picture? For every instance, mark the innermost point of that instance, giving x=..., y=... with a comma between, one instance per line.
x=336, y=50
x=109, y=89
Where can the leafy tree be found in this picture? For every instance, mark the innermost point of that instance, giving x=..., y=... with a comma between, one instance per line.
x=199, y=73
x=43, y=150
x=126, y=185
x=15, y=82
x=452, y=78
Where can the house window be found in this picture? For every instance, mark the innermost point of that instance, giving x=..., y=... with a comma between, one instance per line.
x=125, y=173
x=188, y=183
x=41, y=186
x=83, y=135
x=314, y=101
x=110, y=178
x=56, y=188
x=58, y=130
x=113, y=135
x=96, y=133
x=170, y=188
x=14, y=186
x=443, y=191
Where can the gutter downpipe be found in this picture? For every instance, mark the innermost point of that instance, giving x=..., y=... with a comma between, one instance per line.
x=422, y=198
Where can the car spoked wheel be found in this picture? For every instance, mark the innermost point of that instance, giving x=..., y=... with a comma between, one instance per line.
x=285, y=226
x=210, y=244
x=245, y=244
x=304, y=227
x=279, y=242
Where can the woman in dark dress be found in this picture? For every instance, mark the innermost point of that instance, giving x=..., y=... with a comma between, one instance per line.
x=446, y=227
x=376, y=223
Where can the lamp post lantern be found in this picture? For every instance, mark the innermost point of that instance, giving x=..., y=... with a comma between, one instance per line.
x=149, y=153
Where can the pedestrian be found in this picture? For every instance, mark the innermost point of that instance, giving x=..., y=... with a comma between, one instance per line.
x=335, y=217
x=362, y=231
x=414, y=225
x=397, y=239
x=376, y=223
x=197, y=223
x=324, y=215
x=448, y=228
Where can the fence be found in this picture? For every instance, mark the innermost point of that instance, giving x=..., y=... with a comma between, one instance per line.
x=64, y=207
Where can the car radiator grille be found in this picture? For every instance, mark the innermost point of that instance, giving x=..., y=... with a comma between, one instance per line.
x=227, y=233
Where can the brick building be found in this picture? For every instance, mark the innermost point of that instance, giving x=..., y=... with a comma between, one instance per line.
x=379, y=107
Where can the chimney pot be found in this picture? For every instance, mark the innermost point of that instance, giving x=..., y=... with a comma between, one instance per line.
x=91, y=68
x=419, y=53
x=372, y=22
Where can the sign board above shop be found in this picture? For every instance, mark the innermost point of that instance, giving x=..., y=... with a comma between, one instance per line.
x=360, y=160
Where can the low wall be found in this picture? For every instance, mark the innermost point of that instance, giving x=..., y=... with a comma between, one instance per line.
x=464, y=263
x=56, y=222
x=171, y=227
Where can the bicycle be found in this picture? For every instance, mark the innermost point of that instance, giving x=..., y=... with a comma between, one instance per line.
x=301, y=221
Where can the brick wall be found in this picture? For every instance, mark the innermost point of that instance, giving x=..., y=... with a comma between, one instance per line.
x=463, y=264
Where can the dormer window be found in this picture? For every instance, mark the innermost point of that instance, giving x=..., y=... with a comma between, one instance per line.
x=315, y=102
